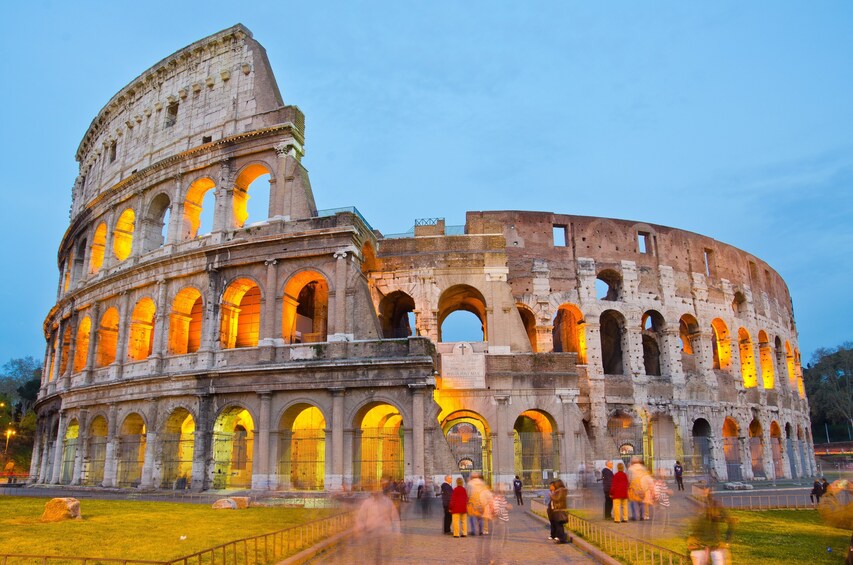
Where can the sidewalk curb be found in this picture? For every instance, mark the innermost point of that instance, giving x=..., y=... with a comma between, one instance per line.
x=591, y=550
x=311, y=552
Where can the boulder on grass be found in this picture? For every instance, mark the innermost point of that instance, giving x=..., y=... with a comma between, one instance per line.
x=225, y=504
x=58, y=509
x=241, y=501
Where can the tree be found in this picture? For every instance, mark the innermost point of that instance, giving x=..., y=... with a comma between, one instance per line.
x=28, y=393
x=829, y=384
x=15, y=373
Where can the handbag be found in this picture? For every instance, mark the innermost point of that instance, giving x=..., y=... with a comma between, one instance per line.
x=560, y=516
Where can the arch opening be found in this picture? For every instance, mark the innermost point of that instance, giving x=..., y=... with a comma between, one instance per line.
x=69, y=453
x=612, y=326
x=252, y=196
x=185, y=322
x=123, y=235
x=569, y=333
x=241, y=315
x=107, y=338
x=703, y=448
x=302, y=448
x=140, y=342
x=305, y=313
x=536, y=448
x=199, y=206
x=96, y=458
x=233, y=438
x=99, y=245
x=731, y=450
x=177, y=445
x=131, y=451
x=747, y=359
x=379, y=451
x=155, y=223
x=397, y=315
x=608, y=285
x=464, y=298
x=469, y=439
x=721, y=345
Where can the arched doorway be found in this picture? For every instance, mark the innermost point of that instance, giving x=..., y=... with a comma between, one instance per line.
x=776, y=446
x=305, y=308
x=302, y=448
x=536, y=448
x=702, y=460
x=462, y=327
x=627, y=435
x=131, y=451
x=731, y=449
x=93, y=472
x=69, y=453
x=756, y=449
x=378, y=449
x=661, y=442
x=233, y=435
x=397, y=315
x=176, y=451
x=469, y=439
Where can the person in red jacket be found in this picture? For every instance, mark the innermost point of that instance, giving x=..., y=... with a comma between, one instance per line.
x=459, y=509
x=619, y=494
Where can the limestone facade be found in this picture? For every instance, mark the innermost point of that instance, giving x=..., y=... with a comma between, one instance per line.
x=196, y=346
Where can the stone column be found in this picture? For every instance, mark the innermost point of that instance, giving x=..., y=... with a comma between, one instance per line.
x=209, y=327
x=176, y=216
x=703, y=348
x=123, y=332
x=58, y=449
x=57, y=361
x=734, y=347
x=45, y=452
x=202, y=443
x=160, y=327
x=334, y=480
x=268, y=332
x=260, y=474
x=82, y=447
x=594, y=364
x=148, y=479
x=671, y=356
x=109, y=258
x=34, y=461
x=110, y=456
x=502, y=442
x=632, y=355
x=339, y=324
x=417, y=430
x=745, y=457
x=93, y=344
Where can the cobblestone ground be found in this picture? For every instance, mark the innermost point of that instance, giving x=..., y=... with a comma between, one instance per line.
x=421, y=541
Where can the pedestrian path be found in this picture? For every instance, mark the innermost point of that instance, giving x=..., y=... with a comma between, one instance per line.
x=421, y=541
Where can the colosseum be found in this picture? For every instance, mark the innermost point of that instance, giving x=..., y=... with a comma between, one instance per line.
x=202, y=342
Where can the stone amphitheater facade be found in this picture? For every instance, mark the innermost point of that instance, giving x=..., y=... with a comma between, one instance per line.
x=194, y=346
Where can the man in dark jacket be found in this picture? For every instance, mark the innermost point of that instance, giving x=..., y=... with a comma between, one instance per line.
x=446, y=493
x=606, y=482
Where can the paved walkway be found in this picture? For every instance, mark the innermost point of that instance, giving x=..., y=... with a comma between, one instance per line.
x=421, y=541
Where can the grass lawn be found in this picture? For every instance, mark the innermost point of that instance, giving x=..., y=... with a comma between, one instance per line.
x=136, y=530
x=780, y=537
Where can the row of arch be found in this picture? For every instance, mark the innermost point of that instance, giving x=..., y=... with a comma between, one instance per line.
x=305, y=302
x=570, y=334
x=137, y=231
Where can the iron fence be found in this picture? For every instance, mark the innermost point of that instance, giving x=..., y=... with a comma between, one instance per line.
x=769, y=501
x=618, y=545
x=256, y=550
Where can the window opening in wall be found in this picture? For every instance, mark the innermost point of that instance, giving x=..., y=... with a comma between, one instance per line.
x=113, y=151
x=709, y=255
x=608, y=284
x=560, y=235
x=461, y=326
x=251, y=196
x=258, y=205
x=644, y=242
x=753, y=273
x=206, y=138
x=171, y=114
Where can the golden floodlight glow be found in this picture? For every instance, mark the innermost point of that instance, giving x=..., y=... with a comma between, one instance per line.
x=123, y=235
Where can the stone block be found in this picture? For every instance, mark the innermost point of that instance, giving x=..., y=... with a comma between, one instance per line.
x=225, y=504
x=59, y=509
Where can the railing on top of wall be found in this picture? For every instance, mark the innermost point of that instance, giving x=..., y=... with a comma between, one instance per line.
x=618, y=545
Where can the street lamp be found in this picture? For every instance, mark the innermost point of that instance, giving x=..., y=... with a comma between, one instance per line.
x=9, y=433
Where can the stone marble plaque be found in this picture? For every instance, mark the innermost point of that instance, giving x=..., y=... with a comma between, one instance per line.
x=463, y=368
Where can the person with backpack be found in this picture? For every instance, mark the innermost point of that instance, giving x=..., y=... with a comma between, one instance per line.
x=516, y=487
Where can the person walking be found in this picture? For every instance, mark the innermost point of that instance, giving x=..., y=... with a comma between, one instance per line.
x=606, y=483
x=559, y=511
x=516, y=487
x=459, y=509
x=549, y=510
x=679, y=472
x=817, y=492
x=619, y=494
x=446, y=494
x=704, y=540
x=661, y=497
x=376, y=522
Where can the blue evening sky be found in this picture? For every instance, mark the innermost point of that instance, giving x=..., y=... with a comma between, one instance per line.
x=731, y=119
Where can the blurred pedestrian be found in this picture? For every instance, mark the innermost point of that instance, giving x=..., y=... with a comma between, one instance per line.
x=619, y=494
x=376, y=522
x=679, y=472
x=817, y=492
x=559, y=510
x=707, y=545
x=606, y=483
x=549, y=510
x=661, y=496
x=446, y=494
x=516, y=487
x=459, y=509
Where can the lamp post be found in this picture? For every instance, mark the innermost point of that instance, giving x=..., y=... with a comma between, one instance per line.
x=9, y=433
